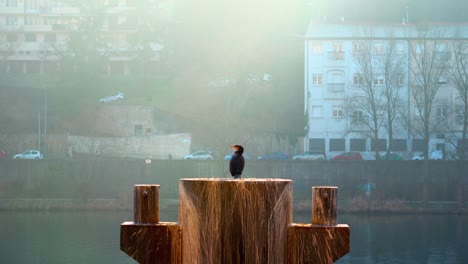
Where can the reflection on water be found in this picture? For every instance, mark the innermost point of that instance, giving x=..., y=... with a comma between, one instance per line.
x=93, y=237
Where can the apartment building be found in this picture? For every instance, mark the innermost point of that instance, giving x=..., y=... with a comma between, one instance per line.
x=358, y=77
x=35, y=35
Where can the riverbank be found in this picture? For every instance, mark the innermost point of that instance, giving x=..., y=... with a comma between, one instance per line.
x=357, y=206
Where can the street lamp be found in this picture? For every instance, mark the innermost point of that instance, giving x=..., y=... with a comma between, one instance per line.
x=406, y=7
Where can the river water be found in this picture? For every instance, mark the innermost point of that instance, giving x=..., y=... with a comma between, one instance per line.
x=93, y=237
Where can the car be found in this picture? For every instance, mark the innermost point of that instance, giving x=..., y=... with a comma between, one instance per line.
x=200, y=155
x=392, y=156
x=311, y=155
x=29, y=154
x=274, y=156
x=229, y=156
x=434, y=155
x=418, y=156
x=3, y=154
x=352, y=155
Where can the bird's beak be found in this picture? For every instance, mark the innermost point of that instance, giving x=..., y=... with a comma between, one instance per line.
x=234, y=147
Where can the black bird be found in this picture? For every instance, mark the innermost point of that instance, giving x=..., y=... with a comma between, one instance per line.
x=236, y=165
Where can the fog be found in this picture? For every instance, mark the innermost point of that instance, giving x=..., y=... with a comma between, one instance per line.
x=225, y=72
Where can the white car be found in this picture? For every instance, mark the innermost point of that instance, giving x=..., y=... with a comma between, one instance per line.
x=29, y=154
x=313, y=155
x=434, y=155
x=200, y=155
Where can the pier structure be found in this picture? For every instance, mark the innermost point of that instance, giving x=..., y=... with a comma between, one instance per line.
x=234, y=221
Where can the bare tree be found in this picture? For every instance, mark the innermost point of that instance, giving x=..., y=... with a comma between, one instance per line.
x=458, y=78
x=376, y=103
x=364, y=106
x=428, y=66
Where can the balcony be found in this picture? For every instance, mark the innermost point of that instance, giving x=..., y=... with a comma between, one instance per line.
x=335, y=90
x=35, y=28
x=11, y=27
x=63, y=11
x=336, y=56
x=335, y=87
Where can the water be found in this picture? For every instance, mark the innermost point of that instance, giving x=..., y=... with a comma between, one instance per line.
x=93, y=237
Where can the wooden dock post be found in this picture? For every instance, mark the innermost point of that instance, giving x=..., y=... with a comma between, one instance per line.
x=323, y=241
x=146, y=239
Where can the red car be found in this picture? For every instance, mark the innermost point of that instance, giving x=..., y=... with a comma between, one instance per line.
x=348, y=156
x=3, y=154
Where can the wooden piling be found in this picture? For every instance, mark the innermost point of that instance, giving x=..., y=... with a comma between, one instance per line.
x=324, y=205
x=323, y=241
x=146, y=204
x=146, y=239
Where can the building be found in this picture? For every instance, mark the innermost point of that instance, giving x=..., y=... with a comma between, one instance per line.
x=37, y=35
x=350, y=68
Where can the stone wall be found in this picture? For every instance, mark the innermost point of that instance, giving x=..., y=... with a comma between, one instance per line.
x=363, y=185
x=172, y=146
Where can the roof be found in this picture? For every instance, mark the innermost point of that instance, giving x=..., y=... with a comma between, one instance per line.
x=385, y=31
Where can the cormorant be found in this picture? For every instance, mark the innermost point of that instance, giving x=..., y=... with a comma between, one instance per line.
x=236, y=165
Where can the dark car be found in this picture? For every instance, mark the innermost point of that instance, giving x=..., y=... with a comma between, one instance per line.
x=3, y=154
x=274, y=156
x=393, y=156
x=348, y=156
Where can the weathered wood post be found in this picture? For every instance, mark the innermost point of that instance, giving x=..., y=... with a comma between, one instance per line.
x=146, y=204
x=323, y=241
x=146, y=239
x=324, y=205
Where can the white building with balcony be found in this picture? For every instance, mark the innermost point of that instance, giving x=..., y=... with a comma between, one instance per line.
x=35, y=34
x=337, y=75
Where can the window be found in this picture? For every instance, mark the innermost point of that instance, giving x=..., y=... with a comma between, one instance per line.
x=400, y=80
x=379, y=81
x=399, y=145
x=380, y=143
x=29, y=37
x=316, y=48
x=399, y=48
x=357, y=47
x=317, y=144
x=30, y=20
x=335, y=81
x=358, y=79
x=11, y=20
x=337, y=144
x=357, y=144
x=441, y=111
x=337, y=111
x=337, y=53
x=316, y=111
x=316, y=79
x=358, y=117
x=30, y=4
x=11, y=3
x=379, y=48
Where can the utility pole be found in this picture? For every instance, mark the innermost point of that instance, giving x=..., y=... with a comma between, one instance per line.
x=39, y=131
x=45, y=120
